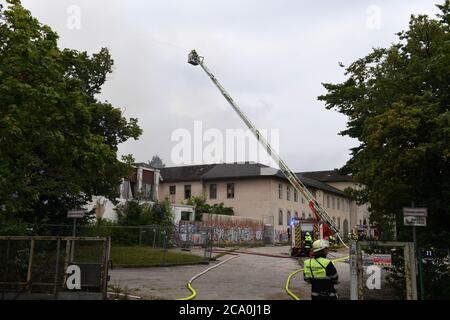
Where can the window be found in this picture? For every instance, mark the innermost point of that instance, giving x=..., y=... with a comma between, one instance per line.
x=338, y=203
x=309, y=216
x=333, y=202
x=339, y=223
x=328, y=201
x=133, y=189
x=185, y=215
x=303, y=200
x=296, y=214
x=213, y=191
x=288, y=193
x=295, y=196
x=303, y=215
x=280, y=191
x=172, y=189
x=280, y=218
x=288, y=217
x=230, y=190
x=187, y=191
x=334, y=219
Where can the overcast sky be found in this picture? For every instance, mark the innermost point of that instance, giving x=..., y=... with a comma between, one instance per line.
x=270, y=55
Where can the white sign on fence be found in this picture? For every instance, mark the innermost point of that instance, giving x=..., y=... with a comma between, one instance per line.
x=416, y=217
x=377, y=259
x=75, y=214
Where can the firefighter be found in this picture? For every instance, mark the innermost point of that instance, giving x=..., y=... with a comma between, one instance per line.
x=321, y=273
x=332, y=240
x=308, y=241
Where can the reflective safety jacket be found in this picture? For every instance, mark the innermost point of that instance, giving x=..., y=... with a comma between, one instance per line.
x=322, y=275
x=308, y=241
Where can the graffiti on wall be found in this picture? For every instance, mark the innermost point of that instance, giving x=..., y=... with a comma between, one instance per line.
x=224, y=229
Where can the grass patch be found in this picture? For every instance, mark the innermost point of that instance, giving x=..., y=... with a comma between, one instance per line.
x=239, y=245
x=135, y=256
x=148, y=257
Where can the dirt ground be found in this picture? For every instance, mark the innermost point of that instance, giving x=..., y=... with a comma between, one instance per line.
x=243, y=278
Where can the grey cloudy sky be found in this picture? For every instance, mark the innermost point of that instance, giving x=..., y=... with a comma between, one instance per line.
x=270, y=55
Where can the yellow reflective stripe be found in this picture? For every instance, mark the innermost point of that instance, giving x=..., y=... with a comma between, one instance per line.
x=298, y=235
x=316, y=268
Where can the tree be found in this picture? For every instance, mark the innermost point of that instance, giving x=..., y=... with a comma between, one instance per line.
x=156, y=162
x=397, y=102
x=58, y=142
x=221, y=209
x=137, y=213
x=201, y=207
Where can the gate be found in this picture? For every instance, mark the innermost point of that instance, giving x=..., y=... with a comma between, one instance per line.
x=382, y=270
x=53, y=268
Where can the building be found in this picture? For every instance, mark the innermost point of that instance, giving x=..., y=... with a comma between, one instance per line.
x=258, y=191
x=143, y=185
x=359, y=214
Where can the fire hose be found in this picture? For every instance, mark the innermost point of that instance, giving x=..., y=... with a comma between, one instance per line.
x=189, y=284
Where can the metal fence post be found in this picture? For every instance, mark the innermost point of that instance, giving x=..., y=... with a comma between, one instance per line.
x=106, y=256
x=422, y=289
x=410, y=272
x=354, y=274
x=58, y=249
x=30, y=264
x=164, y=246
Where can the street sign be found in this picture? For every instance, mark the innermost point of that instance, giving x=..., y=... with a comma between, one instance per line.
x=75, y=214
x=415, y=217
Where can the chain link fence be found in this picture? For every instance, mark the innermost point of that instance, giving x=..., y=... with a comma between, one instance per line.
x=434, y=273
x=142, y=246
x=33, y=267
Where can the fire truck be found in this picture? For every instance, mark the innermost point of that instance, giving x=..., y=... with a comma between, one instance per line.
x=298, y=229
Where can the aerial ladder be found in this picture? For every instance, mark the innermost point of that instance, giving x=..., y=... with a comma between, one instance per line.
x=298, y=185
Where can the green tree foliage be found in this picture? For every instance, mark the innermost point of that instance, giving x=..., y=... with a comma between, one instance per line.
x=58, y=142
x=156, y=162
x=397, y=103
x=137, y=213
x=202, y=207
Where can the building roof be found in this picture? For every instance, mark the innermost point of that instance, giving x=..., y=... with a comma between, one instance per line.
x=185, y=173
x=328, y=176
x=308, y=182
x=236, y=171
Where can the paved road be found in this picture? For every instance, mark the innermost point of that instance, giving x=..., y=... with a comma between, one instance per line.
x=245, y=277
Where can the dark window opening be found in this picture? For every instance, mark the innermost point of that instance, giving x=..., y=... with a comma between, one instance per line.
x=187, y=191
x=213, y=191
x=230, y=190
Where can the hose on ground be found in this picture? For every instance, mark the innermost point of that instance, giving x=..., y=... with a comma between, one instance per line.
x=286, y=287
x=253, y=253
x=189, y=284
